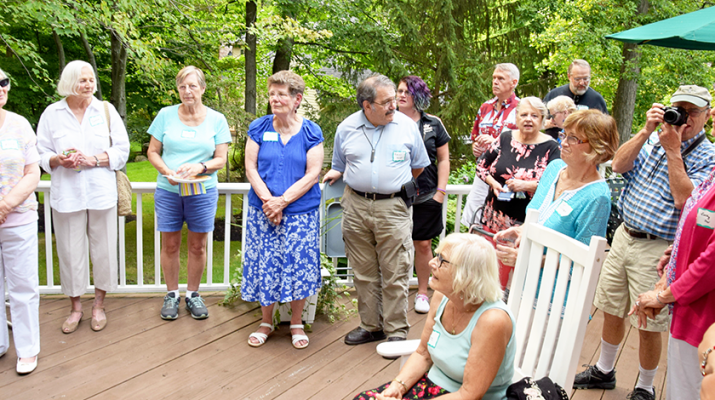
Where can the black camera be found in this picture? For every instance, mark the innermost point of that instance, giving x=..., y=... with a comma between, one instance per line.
x=676, y=116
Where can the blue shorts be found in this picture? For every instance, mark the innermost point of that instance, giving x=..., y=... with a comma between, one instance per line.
x=198, y=211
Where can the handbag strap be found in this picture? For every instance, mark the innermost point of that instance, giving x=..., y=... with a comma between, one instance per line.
x=106, y=115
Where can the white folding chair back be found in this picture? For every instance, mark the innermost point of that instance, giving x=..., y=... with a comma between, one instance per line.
x=557, y=354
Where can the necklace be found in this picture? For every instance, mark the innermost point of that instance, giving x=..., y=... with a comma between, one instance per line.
x=456, y=322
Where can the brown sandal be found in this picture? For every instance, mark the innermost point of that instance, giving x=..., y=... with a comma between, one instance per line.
x=69, y=327
x=98, y=325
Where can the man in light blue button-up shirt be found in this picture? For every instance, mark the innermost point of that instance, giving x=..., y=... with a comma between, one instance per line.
x=377, y=151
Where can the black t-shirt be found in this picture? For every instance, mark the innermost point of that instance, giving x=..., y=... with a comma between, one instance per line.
x=590, y=99
x=434, y=135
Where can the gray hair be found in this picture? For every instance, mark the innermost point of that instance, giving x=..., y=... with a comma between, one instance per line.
x=561, y=103
x=510, y=69
x=367, y=89
x=580, y=63
x=188, y=70
x=535, y=103
x=3, y=75
x=67, y=86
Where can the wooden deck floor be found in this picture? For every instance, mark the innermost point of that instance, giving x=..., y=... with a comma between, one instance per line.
x=140, y=356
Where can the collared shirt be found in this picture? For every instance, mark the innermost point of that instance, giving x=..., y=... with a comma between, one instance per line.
x=491, y=121
x=590, y=99
x=398, y=149
x=647, y=203
x=90, y=188
x=434, y=135
x=18, y=148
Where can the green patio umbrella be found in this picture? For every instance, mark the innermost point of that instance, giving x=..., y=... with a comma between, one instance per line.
x=694, y=31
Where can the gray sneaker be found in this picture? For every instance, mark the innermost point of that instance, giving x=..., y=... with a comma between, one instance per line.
x=196, y=306
x=170, y=309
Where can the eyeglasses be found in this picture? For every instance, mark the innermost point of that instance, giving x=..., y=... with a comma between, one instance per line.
x=693, y=112
x=584, y=80
x=386, y=102
x=441, y=261
x=570, y=139
x=4, y=82
x=405, y=92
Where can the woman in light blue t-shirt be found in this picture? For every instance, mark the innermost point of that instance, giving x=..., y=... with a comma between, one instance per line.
x=189, y=144
x=467, y=345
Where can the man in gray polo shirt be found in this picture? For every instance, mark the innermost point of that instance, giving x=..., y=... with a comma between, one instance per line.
x=378, y=151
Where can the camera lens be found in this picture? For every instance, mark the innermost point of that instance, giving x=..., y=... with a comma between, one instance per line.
x=676, y=116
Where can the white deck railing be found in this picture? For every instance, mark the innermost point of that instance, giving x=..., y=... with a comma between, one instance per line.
x=51, y=286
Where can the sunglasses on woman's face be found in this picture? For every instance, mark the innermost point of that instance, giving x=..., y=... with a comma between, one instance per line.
x=4, y=82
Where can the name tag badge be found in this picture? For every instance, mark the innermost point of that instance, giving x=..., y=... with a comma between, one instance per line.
x=706, y=218
x=581, y=107
x=270, y=136
x=9, y=144
x=399, y=156
x=96, y=120
x=188, y=134
x=433, y=339
x=564, y=209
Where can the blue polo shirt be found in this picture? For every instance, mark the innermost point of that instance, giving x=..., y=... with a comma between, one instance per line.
x=280, y=166
x=398, y=150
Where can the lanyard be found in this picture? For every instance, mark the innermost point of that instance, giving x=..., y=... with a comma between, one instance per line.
x=372, y=154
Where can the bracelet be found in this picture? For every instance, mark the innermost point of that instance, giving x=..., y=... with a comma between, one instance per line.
x=284, y=199
x=205, y=168
x=706, y=353
x=657, y=297
x=95, y=157
x=442, y=190
x=405, y=386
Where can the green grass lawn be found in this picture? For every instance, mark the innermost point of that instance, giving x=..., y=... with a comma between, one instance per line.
x=144, y=172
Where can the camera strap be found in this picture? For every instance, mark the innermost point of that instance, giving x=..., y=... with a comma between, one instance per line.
x=690, y=149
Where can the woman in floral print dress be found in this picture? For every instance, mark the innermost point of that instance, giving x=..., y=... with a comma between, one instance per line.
x=512, y=168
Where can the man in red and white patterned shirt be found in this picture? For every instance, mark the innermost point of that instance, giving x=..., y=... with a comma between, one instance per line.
x=493, y=116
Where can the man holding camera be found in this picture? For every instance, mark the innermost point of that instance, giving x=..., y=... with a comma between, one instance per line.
x=378, y=151
x=661, y=169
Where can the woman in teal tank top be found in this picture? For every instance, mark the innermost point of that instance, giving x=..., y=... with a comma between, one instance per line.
x=467, y=347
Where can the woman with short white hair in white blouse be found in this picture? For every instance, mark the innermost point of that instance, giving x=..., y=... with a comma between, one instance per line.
x=75, y=148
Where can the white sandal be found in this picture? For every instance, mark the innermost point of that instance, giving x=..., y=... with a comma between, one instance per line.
x=297, y=338
x=261, y=337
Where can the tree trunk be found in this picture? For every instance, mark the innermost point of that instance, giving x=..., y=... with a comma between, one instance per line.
x=250, y=94
x=93, y=61
x=624, y=103
x=60, y=50
x=119, y=74
x=281, y=62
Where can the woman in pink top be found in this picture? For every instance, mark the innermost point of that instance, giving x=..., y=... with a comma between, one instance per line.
x=19, y=175
x=687, y=285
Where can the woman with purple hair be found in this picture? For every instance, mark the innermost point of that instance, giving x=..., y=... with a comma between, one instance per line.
x=413, y=97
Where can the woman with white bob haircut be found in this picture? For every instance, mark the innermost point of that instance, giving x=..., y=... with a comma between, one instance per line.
x=81, y=149
x=467, y=346
x=19, y=175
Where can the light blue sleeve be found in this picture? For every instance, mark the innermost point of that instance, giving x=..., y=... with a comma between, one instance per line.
x=157, y=126
x=547, y=179
x=420, y=159
x=338, y=155
x=223, y=134
x=593, y=219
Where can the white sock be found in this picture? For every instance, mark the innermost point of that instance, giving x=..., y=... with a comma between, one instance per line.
x=176, y=293
x=607, y=359
x=189, y=293
x=645, y=379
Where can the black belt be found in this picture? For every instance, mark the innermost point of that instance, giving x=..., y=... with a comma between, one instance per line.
x=375, y=196
x=639, y=235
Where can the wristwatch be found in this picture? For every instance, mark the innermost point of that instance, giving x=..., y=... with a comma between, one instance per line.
x=205, y=169
x=95, y=157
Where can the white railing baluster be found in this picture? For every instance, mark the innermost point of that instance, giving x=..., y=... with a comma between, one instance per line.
x=155, y=285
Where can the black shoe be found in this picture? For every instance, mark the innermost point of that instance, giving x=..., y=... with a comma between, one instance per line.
x=170, y=309
x=641, y=394
x=593, y=378
x=393, y=339
x=360, y=336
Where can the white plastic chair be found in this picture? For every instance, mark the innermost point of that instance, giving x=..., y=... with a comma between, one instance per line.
x=545, y=345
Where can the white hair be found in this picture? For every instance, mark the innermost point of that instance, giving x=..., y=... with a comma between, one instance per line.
x=69, y=80
x=510, y=69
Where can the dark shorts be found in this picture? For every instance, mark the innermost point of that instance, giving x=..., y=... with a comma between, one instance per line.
x=198, y=211
x=427, y=220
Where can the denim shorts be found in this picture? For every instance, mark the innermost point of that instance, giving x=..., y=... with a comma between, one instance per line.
x=198, y=211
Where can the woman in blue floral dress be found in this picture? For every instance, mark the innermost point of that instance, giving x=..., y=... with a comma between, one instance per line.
x=284, y=155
